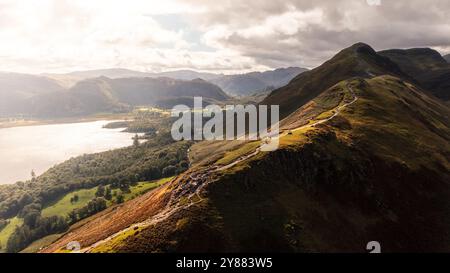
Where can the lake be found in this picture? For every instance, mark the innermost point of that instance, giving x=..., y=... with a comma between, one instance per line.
x=39, y=148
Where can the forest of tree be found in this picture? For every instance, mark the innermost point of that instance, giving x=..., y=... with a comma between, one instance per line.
x=155, y=158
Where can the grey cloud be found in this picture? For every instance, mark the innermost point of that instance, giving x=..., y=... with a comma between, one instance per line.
x=393, y=24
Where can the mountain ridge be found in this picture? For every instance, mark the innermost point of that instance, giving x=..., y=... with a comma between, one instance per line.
x=234, y=84
x=116, y=95
x=426, y=66
x=378, y=170
x=359, y=60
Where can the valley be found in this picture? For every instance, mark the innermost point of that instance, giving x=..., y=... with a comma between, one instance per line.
x=234, y=136
x=328, y=177
x=69, y=191
x=199, y=180
x=117, y=92
x=363, y=155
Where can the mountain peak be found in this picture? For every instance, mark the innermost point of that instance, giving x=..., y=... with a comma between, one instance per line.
x=362, y=47
x=358, y=60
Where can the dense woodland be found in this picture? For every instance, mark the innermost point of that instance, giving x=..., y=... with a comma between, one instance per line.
x=157, y=157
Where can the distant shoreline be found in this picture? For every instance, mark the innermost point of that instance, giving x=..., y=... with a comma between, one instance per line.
x=5, y=123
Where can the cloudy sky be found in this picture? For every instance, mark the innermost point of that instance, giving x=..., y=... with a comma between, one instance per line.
x=225, y=36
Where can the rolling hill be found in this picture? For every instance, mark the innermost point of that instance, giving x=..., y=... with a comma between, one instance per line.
x=15, y=88
x=117, y=90
x=238, y=85
x=364, y=156
x=139, y=91
x=103, y=94
x=116, y=73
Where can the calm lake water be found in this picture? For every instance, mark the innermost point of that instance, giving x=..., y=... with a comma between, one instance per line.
x=38, y=148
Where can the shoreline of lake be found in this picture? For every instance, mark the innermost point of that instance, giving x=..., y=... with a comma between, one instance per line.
x=53, y=144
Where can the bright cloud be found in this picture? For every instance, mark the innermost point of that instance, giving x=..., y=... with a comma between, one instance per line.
x=226, y=36
x=59, y=36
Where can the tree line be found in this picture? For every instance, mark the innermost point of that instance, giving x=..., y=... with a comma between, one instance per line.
x=153, y=159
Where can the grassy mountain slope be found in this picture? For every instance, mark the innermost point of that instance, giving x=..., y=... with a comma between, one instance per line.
x=139, y=91
x=239, y=84
x=250, y=83
x=7, y=231
x=425, y=65
x=378, y=171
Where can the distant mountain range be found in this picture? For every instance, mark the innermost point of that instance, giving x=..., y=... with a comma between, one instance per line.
x=48, y=99
x=257, y=82
x=239, y=85
x=115, y=73
x=113, y=90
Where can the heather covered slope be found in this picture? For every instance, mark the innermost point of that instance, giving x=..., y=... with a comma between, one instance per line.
x=377, y=171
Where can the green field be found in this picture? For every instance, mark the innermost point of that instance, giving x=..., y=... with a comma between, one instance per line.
x=7, y=231
x=63, y=206
x=143, y=187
